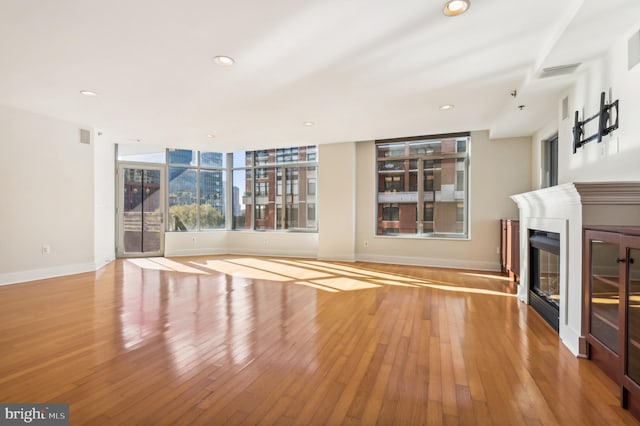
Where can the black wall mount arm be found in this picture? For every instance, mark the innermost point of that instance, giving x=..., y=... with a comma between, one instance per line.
x=604, y=123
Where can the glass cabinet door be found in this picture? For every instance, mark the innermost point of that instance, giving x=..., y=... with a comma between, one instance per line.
x=605, y=293
x=633, y=314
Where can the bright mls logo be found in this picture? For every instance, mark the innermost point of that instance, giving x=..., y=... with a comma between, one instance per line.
x=34, y=414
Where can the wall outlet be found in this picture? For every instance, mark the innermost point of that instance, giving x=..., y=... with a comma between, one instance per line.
x=46, y=249
x=366, y=243
x=193, y=240
x=497, y=249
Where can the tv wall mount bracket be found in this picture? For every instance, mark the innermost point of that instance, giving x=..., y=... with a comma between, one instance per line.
x=604, y=123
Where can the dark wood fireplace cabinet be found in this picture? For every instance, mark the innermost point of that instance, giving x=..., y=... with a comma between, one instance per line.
x=611, y=306
x=510, y=248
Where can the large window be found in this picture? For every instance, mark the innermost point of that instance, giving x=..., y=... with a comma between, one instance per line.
x=271, y=189
x=196, y=190
x=278, y=187
x=423, y=186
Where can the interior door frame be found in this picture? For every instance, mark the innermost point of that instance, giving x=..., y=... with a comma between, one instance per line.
x=120, y=253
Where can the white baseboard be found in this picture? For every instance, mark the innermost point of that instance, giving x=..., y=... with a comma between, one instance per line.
x=430, y=262
x=570, y=339
x=194, y=252
x=271, y=252
x=339, y=258
x=44, y=273
x=99, y=265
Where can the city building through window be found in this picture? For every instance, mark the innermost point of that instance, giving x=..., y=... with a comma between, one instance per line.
x=196, y=194
x=267, y=189
x=265, y=184
x=422, y=186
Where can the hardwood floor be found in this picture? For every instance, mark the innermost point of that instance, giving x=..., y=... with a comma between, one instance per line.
x=247, y=340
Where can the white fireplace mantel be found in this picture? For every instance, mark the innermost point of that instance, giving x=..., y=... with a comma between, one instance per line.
x=562, y=209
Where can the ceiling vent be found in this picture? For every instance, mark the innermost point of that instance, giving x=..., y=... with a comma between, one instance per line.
x=559, y=70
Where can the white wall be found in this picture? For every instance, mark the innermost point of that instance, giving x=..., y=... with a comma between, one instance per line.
x=257, y=243
x=592, y=162
x=499, y=169
x=336, y=201
x=48, y=197
x=104, y=200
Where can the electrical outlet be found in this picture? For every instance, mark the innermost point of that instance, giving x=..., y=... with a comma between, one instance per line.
x=497, y=249
x=46, y=250
x=193, y=239
x=366, y=243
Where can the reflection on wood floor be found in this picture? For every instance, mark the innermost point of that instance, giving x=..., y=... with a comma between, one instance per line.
x=248, y=340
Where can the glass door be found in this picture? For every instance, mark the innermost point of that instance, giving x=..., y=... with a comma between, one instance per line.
x=605, y=293
x=140, y=211
x=633, y=309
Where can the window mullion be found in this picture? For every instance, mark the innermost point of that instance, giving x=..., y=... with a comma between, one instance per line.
x=198, y=199
x=283, y=199
x=420, y=206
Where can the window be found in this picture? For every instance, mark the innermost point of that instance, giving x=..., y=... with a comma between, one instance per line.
x=431, y=172
x=311, y=186
x=262, y=188
x=278, y=201
x=390, y=212
x=197, y=183
x=550, y=162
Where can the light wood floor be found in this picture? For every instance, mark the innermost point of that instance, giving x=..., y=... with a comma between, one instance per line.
x=245, y=340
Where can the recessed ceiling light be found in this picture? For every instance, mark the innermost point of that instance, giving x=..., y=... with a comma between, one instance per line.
x=445, y=107
x=456, y=7
x=225, y=61
x=309, y=123
x=210, y=136
x=88, y=93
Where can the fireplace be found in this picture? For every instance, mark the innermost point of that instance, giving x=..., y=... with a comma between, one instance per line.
x=544, y=280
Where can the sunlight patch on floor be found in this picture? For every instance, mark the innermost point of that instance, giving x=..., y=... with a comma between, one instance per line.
x=319, y=266
x=236, y=270
x=467, y=290
x=493, y=277
x=177, y=266
x=396, y=283
x=317, y=286
x=320, y=275
x=148, y=263
x=345, y=284
x=294, y=272
x=341, y=269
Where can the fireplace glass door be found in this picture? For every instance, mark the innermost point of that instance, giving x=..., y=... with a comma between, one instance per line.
x=544, y=284
x=548, y=285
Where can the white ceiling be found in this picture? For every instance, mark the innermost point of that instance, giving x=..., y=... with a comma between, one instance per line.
x=359, y=69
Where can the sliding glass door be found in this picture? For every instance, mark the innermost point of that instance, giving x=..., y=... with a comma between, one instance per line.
x=140, y=211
